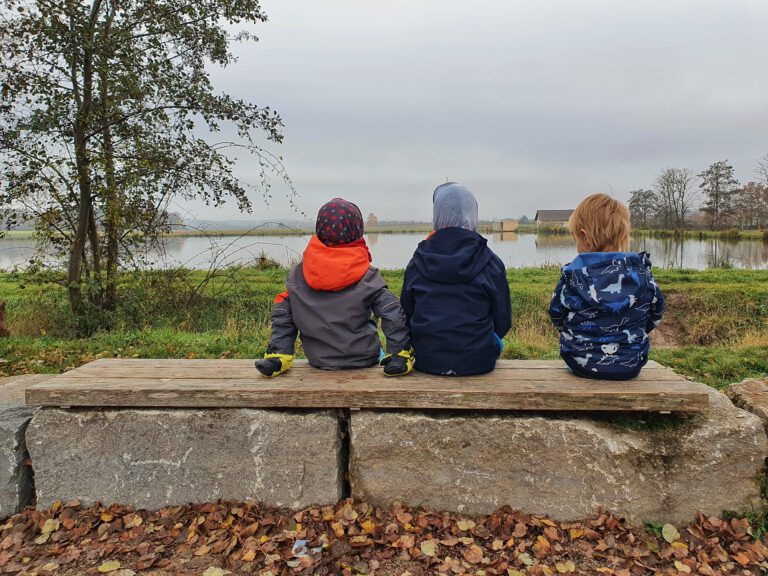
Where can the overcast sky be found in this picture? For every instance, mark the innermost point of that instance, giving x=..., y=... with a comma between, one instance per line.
x=532, y=104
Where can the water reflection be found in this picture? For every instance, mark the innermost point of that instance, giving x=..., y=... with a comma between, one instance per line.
x=395, y=250
x=505, y=236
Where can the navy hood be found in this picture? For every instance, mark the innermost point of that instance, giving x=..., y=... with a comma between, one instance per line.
x=452, y=256
x=609, y=281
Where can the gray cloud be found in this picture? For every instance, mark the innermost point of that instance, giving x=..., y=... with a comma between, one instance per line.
x=532, y=104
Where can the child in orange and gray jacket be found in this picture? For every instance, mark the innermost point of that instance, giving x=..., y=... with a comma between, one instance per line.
x=331, y=300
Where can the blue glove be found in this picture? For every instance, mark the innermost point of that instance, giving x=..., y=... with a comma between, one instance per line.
x=499, y=341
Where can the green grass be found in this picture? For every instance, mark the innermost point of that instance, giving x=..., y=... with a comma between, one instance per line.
x=410, y=228
x=731, y=234
x=17, y=234
x=718, y=320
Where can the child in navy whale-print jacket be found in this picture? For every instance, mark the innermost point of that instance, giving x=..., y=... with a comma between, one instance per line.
x=607, y=301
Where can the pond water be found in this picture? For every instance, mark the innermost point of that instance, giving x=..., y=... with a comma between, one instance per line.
x=394, y=251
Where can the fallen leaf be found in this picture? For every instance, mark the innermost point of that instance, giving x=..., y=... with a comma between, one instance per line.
x=473, y=555
x=547, y=522
x=497, y=544
x=215, y=571
x=109, y=566
x=541, y=548
x=525, y=558
x=511, y=572
x=429, y=548
x=359, y=540
x=741, y=558
x=682, y=567
x=338, y=529
x=565, y=567
x=670, y=533
x=465, y=525
x=50, y=567
x=51, y=525
x=402, y=516
x=249, y=556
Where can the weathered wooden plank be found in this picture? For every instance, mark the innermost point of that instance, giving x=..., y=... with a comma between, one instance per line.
x=249, y=374
x=196, y=363
x=244, y=370
x=511, y=387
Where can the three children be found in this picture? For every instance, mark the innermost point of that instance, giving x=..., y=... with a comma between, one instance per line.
x=455, y=305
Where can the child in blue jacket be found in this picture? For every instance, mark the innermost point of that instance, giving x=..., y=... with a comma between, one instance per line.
x=607, y=301
x=455, y=292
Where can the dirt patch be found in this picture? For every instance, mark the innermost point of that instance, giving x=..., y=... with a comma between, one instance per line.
x=670, y=332
x=399, y=566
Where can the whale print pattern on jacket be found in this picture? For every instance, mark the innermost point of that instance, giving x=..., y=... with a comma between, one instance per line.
x=604, y=306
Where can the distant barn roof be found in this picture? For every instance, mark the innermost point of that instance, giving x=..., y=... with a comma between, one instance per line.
x=553, y=215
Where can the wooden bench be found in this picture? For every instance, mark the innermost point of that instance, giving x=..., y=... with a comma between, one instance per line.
x=514, y=385
x=152, y=433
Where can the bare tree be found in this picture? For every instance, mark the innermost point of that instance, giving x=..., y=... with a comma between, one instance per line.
x=752, y=205
x=675, y=195
x=761, y=170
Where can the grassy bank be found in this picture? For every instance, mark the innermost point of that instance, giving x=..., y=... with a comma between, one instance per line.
x=411, y=228
x=715, y=329
x=732, y=234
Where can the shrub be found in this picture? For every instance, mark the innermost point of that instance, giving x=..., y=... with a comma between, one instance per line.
x=731, y=234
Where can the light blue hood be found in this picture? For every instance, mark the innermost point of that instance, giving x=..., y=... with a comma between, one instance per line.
x=454, y=206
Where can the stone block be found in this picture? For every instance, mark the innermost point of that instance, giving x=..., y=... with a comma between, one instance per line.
x=155, y=458
x=561, y=465
x=16, y=483
x=752, y=396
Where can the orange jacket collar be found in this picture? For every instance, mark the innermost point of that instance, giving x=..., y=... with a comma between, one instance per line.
x=334, y=268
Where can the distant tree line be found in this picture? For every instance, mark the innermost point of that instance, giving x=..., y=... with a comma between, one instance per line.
x=713, y=199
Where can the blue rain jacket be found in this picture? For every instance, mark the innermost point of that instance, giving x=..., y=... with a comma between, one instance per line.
x=604, y=306
x=456, y=300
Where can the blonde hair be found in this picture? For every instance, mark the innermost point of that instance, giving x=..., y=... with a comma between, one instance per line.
x=602, y=222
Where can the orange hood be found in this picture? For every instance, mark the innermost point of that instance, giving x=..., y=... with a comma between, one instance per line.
x=333, y=268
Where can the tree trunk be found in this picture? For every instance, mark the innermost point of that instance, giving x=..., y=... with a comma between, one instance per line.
x=113, y=206
x=82, y=161
x=74, y=270
x=95, y=292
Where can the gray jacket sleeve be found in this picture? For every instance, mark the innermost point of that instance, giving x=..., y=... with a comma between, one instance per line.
x=282, y=339
x=386, y=306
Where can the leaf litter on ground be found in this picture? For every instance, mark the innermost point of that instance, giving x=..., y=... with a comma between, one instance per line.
x=353, y=538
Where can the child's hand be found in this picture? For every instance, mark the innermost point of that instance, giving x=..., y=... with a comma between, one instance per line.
x=274, y=364
x=399, y=364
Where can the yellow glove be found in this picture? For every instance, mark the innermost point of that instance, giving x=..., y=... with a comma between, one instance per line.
x=398, y=365
x=274, y=364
